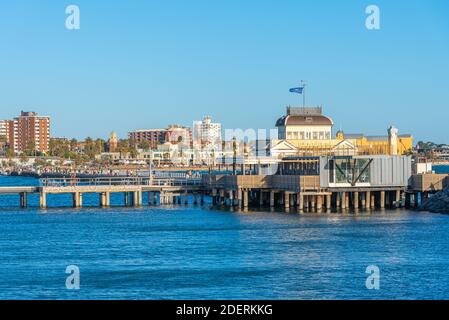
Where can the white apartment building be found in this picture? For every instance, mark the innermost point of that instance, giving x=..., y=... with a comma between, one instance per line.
x=206, y=132
x=3, y=129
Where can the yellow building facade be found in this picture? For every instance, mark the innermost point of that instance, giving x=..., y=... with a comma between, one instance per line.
x=307, y=132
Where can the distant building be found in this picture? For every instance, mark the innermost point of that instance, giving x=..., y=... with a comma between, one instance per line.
x=28, y=132
x=434, y=152
x=3, y=128
x=206, y=132
x=304, y=124
x=9, y=132
x=154, y=136
x=173, y=134
x=305, y=131
x=177, y=133
x=113, y=142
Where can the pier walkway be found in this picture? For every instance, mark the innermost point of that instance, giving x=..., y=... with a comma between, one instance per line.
x=160, y=191
x=303, y=192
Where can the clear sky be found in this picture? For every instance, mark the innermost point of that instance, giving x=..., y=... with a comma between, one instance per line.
x=143, y=64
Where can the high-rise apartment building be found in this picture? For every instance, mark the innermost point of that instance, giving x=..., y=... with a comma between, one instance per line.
x=206, y=132
x=27, y=132
x=3, y=124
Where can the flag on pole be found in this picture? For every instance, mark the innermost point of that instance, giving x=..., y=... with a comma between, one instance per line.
x=298, y=90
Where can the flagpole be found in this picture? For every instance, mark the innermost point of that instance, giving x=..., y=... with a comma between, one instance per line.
x=303, y=85
x=304, y=97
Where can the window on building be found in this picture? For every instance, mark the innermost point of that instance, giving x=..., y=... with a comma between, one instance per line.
x=331, y=171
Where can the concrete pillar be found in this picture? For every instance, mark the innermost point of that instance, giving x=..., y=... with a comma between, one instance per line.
x=23, y=199
x=135, y=200
x=231, y=198
x=286, y=200
x=368, y=199
x=126, y=199
x=292, y=199
x=328, y=201
x=363, y=196
x=271, y=199
x=299, y=201
x=343, y=200
x=102, y=199
x=161, y=198
x=240, y=198
x=221, y=199
x=373, y=200
x=319, y=204
x=312, y=202
x=74, y=199
x=356, y=200
x=245, y=198
x=214, y=194
x=306, y=202
x=108, y=199
x=397, y=200
x=43, y=200
x=406, y=200
x=382, y=199
x=195, y=198
x=77, y=199
x=337, y=200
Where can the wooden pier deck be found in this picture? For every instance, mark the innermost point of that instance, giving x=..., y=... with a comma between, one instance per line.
x=160, y=191
x=289, y=191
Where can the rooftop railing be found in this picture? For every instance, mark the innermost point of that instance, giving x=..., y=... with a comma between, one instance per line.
x=117, y=181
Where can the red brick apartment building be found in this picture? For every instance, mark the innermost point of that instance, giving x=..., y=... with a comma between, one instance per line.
x=28, y=132
x=173, y=134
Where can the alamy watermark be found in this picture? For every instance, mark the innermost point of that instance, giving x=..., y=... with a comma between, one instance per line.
x=372, y=21
x=72, y=281
x=373, y=280
x=73, y=21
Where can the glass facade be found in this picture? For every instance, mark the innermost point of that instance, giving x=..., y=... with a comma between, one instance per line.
x=347, y=170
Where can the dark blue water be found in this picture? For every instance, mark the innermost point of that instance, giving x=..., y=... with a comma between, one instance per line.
x=440, y=168
x=198, y=253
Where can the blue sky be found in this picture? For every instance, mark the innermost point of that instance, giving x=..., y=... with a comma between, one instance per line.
x=142, y=64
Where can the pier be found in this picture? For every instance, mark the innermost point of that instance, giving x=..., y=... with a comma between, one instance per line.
x=160, y=191
x=300, y=192
x=311, y=184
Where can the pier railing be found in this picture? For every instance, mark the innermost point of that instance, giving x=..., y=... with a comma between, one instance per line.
x=118, y=181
